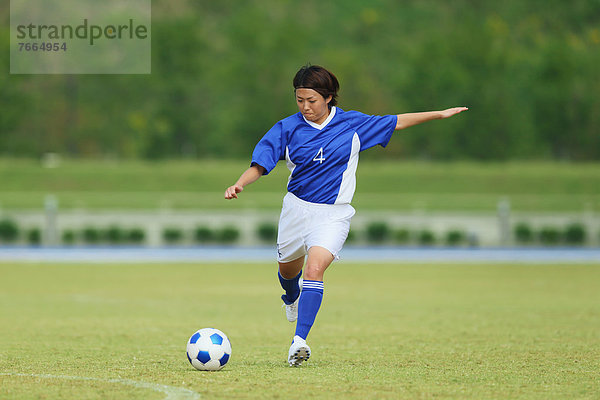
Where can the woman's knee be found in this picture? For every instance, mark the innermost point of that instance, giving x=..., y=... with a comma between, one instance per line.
x=314, y=271
x=318, y=260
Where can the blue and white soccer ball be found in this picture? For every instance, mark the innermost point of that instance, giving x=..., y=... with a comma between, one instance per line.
x=208, y=349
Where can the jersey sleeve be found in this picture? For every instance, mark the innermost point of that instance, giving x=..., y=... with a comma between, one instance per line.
x=372, y=129
x=270, y=149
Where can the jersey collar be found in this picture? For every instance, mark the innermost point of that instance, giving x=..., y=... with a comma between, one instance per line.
x=324, y=124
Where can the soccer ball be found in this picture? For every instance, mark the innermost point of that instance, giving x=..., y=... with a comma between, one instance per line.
x=208, y=349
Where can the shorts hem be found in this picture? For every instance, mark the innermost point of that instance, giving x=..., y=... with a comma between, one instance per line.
x=334, y=254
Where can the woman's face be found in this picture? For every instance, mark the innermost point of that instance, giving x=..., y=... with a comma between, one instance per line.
x=312, y=105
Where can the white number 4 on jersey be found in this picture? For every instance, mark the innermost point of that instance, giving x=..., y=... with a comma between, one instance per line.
x=319, y=157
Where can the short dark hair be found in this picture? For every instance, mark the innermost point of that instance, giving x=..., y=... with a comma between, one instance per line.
x=318, y=79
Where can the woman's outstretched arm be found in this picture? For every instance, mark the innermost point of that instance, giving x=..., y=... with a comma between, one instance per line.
x=410, y=119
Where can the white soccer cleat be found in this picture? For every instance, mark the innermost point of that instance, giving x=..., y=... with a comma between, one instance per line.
x=291, y=310
x=299, y=352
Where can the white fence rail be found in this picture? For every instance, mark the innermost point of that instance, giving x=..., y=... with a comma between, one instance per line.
x=482, y=229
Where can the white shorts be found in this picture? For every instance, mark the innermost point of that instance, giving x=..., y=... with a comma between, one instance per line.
x=303, y=225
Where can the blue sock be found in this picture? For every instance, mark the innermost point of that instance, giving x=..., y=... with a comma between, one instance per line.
x=291, y=287
x=308, y=306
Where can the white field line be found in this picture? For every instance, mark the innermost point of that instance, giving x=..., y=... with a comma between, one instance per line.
x=171, y=392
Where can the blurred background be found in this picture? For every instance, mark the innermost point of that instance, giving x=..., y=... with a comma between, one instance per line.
x=144, y=159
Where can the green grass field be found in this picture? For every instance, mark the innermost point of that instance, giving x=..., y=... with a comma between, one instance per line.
x=384, y=332
x=407, y=185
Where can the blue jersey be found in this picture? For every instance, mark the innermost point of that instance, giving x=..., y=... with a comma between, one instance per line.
x=323, y=158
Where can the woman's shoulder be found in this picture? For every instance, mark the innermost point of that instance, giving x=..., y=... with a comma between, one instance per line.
x=293, y=119
x=287, y=124
x=350, y=117
x=349, y=114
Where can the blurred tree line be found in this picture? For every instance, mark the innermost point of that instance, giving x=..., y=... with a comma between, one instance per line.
x=221, y=77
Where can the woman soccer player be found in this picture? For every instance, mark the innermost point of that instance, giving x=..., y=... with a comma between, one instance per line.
x=320, y=145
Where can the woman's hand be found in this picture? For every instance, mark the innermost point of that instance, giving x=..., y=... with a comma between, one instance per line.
x=232, y=191
x=249, y=176
x=452, y=111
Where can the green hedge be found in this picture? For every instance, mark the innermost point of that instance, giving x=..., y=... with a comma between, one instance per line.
x=172, y=235
x=572, y=234
x=402, y=236
x=136, y=236
x=34, y=236
x=228, y=235
x=426, y=238
x=9, y=231
x=455, y=237
x=267, y=232
x=204, y=234
x=378, y=232
x=69, y=237
x=114, y=235
x=575, y=234
x=523, y=233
